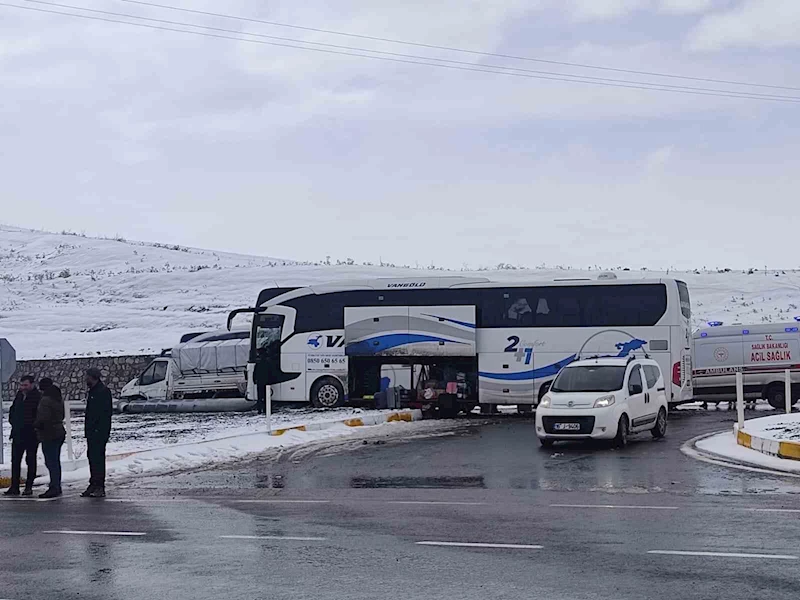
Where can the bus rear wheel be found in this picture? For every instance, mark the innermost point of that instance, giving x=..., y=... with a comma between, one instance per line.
x=327, y=392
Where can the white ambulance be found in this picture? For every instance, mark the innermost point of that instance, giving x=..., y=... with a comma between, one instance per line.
x=761, y=353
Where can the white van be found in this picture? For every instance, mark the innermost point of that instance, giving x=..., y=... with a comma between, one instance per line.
x=760, y=352
x=604, y=398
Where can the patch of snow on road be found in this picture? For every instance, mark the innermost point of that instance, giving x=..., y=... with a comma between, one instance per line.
x=724, y=444
x=150, y=431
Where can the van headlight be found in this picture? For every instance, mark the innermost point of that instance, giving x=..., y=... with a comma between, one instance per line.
x=604, y=401
x=545, y=401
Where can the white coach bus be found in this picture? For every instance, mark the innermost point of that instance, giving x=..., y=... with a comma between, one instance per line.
x=485, y=343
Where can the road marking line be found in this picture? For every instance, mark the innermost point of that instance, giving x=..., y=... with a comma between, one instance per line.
x=481, y=545
x=28, y=499
x=772, y=510
x=281, y=501
x=146, y=500
x=614, y=506
x=436, y=502
x=723, y=554
x=76, y=532
x=292, y=538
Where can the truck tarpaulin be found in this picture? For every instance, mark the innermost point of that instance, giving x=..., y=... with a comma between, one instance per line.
x=211, y=357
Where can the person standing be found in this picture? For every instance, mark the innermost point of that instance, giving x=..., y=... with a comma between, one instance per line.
x=22, y=415
x=97, y=428
x=49, y=427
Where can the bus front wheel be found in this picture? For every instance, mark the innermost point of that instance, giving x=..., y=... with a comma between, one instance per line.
x=327, y=392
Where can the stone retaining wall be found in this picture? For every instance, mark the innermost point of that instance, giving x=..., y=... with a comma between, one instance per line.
x=69, y=373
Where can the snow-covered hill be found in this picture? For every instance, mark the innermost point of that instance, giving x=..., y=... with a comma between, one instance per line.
x=68, y=295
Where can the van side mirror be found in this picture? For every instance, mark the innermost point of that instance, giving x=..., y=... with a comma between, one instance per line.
x=635, y=388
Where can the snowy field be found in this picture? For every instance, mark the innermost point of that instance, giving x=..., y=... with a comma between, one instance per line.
x=65, y=295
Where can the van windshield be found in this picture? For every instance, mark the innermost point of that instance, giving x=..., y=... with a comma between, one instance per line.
x=590, y=378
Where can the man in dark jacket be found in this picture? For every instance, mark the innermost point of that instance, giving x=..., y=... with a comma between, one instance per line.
x=22, y=415
x=97, y=421
x=49, y=427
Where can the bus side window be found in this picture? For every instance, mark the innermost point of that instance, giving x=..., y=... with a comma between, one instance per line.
x=519, y=312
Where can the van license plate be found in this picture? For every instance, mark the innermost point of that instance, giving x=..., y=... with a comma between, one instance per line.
x=567, y=426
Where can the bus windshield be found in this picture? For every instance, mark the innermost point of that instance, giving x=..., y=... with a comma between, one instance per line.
x=589, y=378
x=268, y=334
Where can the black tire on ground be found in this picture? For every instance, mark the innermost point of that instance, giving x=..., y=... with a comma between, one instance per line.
x=327, y=392
x=621, y=439
x=776, y=396
x=659, y=430
x=525, y=409
x=546, y=443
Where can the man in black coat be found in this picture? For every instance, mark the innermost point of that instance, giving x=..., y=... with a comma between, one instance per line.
x=97, y=428
x=22, y=415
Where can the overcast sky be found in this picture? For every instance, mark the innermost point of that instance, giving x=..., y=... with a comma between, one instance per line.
x=169, y=137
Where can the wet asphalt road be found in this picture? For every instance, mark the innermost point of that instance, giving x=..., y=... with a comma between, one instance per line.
x=345, y=520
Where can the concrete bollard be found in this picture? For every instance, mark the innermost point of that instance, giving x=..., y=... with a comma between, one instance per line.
x=787, y=374
x=740, y=400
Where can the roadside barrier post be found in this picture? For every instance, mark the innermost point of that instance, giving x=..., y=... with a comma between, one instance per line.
x=740, y=400
x=268, y=402
x=787, y=374
x=68, y=427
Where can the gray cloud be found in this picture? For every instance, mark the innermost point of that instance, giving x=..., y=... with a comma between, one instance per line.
x=216, y=143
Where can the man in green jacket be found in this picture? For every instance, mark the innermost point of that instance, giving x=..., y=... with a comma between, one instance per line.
x=49, y=427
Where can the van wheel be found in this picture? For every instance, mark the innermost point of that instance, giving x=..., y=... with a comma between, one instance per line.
x=525, y=409
x=327, y=392
x=546, y=443
x=659, y=430
x=776, y=396
x=623, y=429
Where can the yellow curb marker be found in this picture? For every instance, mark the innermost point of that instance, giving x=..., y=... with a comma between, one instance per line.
x=399, y=417
x=789, y=450
x=354, y=422
x=282, y=431
x=744, y=439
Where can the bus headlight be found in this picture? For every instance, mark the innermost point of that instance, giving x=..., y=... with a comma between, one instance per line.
x=604, y=401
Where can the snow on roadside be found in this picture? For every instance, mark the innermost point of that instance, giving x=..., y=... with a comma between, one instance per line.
x=212, y=432
x=785, y=428
x=724, y=444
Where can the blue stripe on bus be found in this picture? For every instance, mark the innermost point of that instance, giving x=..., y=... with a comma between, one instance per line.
x=547, y=371
x=392, y=340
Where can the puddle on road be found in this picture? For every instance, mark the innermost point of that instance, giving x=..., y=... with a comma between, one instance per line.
x=418, y=482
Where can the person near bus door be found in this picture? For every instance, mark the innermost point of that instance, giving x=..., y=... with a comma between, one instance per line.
x=97, y=428
x=21, y=416
x=49, y=427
